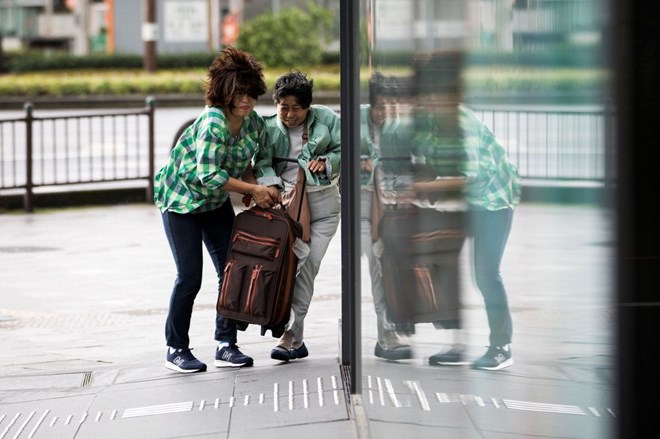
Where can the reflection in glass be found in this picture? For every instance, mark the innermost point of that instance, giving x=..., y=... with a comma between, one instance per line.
x=380, y=131
x=485, y=323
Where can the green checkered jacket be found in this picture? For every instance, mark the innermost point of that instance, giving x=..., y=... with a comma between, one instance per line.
x=493, y=181
x=324, y=142
x=202, y=161
x=468, y=149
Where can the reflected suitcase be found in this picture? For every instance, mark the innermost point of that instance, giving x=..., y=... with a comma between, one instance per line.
x=420, y=264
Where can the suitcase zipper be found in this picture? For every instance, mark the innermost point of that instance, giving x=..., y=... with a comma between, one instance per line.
x=261, y=212
x=225, y=283
x=425, y=283
x=438, y=234
x=285, y=280
x=259, y=240
x=256, y=270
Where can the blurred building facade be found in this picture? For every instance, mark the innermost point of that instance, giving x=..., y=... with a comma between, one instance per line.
x=117, y=26
x=52, y=24
x=504, y=25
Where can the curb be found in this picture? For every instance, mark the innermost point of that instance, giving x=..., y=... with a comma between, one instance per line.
x=532, y=192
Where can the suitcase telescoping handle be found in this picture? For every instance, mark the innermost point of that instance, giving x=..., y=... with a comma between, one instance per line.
x=299, y=185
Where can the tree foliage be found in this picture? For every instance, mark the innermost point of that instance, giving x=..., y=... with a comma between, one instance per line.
x=290, y=38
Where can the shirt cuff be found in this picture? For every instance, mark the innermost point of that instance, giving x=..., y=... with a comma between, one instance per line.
x=217, y=180
x=328, y=166
x=270, y=181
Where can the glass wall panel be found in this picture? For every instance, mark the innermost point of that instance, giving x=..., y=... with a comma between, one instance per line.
x=486, y=230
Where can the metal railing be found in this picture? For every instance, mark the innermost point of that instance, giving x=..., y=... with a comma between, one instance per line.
x=551, y=145
x=76, y=149
x=556, y=145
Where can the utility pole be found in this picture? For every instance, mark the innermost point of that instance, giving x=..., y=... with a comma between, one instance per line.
x=82, y=31
x=149, y=35
x=503, y=24
x=49, y=18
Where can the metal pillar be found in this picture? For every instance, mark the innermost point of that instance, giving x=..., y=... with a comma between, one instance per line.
x=151, y=107
x=28, y=198
x=350, y=181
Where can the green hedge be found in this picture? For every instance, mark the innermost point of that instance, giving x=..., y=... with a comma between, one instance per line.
x=555, y=56
x=38, y=61
x=478, y=80
x=493, y=80
x=133, y=81
x=551, y=57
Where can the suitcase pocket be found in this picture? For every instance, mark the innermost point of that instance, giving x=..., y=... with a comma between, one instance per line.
x=254, y=245
x=425, y=288
x=232, y=286
x=437, y=241
x=259, y=291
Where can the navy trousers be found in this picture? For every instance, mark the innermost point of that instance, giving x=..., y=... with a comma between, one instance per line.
x=490, y=232
x=185, y=234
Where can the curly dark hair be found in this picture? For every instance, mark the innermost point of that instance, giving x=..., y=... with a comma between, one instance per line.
x=294, y=84
x=234, y=72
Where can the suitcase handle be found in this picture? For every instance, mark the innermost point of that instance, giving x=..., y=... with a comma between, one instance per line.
x=284, y=159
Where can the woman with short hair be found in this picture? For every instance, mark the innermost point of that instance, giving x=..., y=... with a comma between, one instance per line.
x=311, y=135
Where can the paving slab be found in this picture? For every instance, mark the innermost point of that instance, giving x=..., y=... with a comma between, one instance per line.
x=84, y=298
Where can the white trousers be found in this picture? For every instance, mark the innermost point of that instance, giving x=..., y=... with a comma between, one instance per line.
x=324, y=209
x=387, y=337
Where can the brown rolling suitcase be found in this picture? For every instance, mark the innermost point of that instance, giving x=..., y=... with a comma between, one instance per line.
x=260, y=269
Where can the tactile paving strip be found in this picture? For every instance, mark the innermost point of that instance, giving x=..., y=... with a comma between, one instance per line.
x=409, y=394
x=304, y=394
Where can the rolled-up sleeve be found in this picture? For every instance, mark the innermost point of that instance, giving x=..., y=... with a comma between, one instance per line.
x=333, y=153
x=263, y=163
x=211, y=153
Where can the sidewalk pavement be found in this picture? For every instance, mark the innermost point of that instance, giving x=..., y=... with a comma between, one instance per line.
x=84, y=294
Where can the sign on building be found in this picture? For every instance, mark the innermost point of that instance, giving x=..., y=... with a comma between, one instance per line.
x=185, y=21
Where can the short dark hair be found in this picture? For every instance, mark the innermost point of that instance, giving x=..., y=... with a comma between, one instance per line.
x=294, y=84
x=382, y=86
x=438, y=72
x=234, y=72
x=376, y=87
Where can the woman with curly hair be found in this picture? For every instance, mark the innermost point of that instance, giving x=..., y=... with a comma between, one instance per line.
x=192, y=193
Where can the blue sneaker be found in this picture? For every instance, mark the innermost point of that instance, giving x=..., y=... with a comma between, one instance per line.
x=453, y=357
x=183, y=361
x=230, y=356
x=496, y=358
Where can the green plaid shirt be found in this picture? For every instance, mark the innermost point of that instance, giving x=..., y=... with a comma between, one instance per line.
x=493, y=181
x=202, y=161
